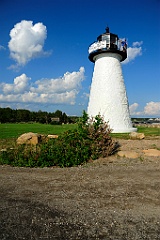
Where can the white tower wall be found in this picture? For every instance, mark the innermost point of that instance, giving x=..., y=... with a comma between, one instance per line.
x=108, y=94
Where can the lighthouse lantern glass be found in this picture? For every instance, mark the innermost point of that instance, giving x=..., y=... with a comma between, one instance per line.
x=107, y=38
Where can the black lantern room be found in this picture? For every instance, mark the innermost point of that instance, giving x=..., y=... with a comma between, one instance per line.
x=108, y=43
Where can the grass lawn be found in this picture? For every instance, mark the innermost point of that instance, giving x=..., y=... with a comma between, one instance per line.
x=11, y=130
x=148, y=131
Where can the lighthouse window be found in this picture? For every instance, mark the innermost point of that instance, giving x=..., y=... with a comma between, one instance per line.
x=106, y=38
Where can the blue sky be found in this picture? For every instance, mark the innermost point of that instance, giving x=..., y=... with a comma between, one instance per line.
x=44, y=52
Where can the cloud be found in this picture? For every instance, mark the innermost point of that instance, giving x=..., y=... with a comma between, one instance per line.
x=2, y=48
x=137, y=44
x=62, y=90
x=68, y=82
x=20, y=85
x=85, y=95
x=150, y=110
x=133, y=108
x=27, y=42
x=133, y=52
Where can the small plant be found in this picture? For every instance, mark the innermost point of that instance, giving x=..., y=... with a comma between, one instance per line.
x=141, y=158
x=90, y=140
x=155, y=147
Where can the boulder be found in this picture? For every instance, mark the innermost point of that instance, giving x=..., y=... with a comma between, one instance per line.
x=128, y=154
x=135, y=135
x=29, y=138
x=52, y=136
x=151, y=152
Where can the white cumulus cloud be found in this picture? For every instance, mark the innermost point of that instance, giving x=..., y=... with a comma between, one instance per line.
x=152, y=109
x=137, y=44
x=27, y=41
x=133, y=52
x=133, y=108
x=68, y=82
x=20, y=85
x=61, y=90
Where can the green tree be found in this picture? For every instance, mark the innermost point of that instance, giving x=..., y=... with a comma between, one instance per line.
x=6, y=115
x=64, y=118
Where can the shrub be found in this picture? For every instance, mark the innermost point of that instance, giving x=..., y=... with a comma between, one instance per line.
x=90, y=140
x=102, y=144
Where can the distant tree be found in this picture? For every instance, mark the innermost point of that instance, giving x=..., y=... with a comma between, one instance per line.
x=6, y=115
x=33, y=116
x=72, y=119
x=58, y=114
x=23, y=115
x=40, y=117
x=64, y=118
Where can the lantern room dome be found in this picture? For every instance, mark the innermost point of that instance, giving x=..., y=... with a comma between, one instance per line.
x=108, y=42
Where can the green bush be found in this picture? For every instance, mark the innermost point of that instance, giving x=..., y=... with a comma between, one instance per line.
x=90, y=140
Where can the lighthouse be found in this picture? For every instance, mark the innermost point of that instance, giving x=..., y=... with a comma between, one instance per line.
x=108, y=95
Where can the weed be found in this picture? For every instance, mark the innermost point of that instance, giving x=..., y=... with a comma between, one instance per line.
x=141, y=158
x=155, y=147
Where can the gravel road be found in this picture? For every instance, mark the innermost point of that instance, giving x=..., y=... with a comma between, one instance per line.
x=113, y=198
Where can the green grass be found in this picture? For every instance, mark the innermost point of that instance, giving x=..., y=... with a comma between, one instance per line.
x=120, y=135
x=148, y=131
x=11, y=130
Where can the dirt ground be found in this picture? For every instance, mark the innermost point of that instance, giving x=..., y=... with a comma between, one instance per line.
x=112, y=198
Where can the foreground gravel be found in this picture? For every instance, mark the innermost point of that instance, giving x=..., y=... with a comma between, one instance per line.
x=114, y=198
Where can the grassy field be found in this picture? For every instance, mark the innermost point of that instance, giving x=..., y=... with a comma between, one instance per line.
x=10, y=132
x=148, y=131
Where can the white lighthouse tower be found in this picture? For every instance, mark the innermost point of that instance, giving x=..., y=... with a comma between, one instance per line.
x=108, y=94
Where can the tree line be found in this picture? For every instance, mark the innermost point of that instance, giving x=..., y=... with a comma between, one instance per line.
x=8, y=115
